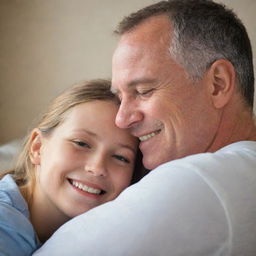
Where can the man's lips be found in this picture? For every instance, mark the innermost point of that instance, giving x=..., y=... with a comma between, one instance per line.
x=149, y=135
x=86, y=187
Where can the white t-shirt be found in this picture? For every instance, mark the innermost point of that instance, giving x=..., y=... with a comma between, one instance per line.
x=201, y=205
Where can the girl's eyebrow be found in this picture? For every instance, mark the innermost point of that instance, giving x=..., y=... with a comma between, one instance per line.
x=96, y=136
x=83, y=130
x=126, y=146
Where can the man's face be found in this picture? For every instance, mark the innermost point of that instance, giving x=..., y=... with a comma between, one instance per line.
x=172, y=116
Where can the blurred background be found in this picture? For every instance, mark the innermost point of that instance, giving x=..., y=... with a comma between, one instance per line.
x=48, y=45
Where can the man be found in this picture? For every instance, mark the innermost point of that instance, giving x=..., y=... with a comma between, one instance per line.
x=183, y=72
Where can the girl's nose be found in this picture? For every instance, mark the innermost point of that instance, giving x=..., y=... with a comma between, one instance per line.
x=96, y=166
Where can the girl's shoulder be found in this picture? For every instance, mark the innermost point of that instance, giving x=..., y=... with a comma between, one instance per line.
x=11, y=195
x=13, y=207
x=16, y=231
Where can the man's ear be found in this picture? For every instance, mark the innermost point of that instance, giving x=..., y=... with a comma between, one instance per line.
x=35, y=146
x=222, y=82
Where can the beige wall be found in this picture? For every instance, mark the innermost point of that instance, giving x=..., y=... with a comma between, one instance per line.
x=47, y=45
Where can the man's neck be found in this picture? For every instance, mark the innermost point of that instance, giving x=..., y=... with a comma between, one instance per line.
x=237, y=124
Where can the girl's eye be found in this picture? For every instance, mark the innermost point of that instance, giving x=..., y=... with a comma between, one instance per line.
x=82, y=144
x=121, y=158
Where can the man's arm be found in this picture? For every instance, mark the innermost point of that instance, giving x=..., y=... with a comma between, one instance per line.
x=172, y=210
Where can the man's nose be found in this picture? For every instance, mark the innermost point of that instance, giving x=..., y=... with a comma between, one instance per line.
x=128, y=114
x=96, y=165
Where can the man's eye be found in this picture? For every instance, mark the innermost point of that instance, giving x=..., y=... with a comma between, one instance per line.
x=82, y=144
x=121, y=158
x=145, y=92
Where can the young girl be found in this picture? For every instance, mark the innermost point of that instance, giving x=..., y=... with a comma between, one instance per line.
x=74, y=160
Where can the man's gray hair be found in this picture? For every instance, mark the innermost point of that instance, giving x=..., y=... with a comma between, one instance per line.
x=203, y=32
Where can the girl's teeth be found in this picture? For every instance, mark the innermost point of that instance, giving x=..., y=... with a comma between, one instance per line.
x=85, y=188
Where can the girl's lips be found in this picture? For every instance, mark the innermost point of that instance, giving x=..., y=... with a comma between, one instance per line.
x=88, y=187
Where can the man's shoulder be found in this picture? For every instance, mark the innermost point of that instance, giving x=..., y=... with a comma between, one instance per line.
x=233, y=164
x=186, y=207
x=241, y=153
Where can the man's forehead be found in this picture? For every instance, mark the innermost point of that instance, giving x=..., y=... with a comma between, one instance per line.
x=138, y=52
x=127, y=66
x=126, y=53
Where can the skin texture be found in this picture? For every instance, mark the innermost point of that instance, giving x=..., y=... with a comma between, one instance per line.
x=87, y=147
x=157, y=96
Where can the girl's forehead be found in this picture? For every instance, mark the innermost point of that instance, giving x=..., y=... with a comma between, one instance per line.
x=95, y=117
x=95, y=114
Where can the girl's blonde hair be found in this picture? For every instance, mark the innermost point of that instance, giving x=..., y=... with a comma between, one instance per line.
x=24, y=171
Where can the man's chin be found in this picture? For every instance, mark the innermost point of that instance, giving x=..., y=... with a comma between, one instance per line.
x=150, y=163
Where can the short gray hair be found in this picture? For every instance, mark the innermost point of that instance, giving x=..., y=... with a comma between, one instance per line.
x=204, y=32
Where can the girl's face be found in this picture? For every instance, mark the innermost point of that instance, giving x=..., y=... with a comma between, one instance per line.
x=85, y=161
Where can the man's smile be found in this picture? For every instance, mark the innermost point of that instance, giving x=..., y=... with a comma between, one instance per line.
x=149, y=135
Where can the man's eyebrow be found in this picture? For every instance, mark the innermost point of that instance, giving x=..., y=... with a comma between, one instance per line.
x=141, y=81
x=134, y=83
